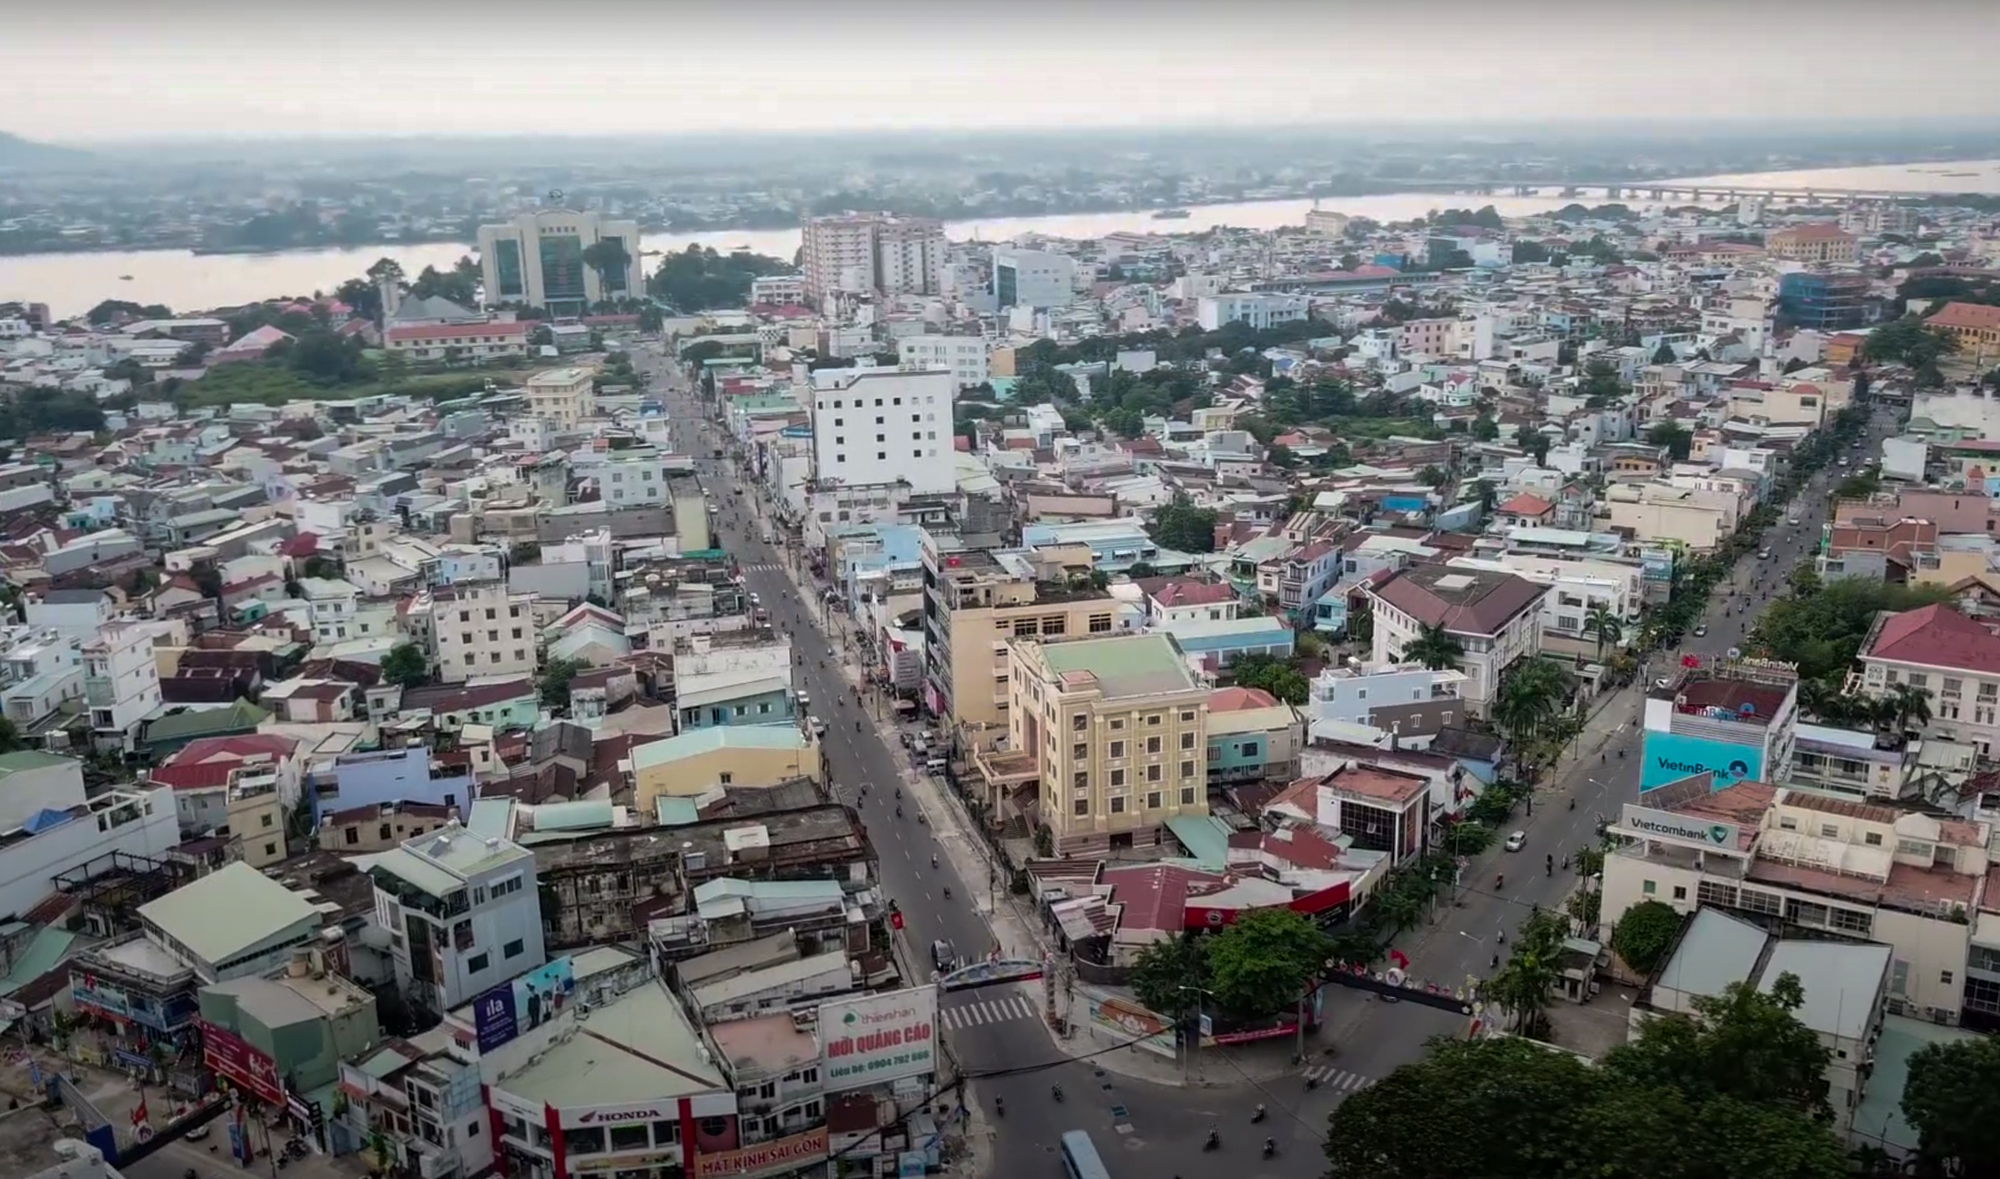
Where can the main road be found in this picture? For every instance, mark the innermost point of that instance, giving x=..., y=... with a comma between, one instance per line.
x=996, y=1034
x=1500, y=889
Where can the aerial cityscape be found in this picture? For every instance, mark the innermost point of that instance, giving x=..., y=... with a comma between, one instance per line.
x=996, y=600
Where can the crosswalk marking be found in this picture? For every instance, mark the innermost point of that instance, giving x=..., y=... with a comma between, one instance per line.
x=1338, y=1080
x=764, y=567
x=977, y=1012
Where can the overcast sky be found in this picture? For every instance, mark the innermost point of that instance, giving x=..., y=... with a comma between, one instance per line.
x=124, y=69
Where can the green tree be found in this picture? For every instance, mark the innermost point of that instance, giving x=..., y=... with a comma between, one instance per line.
x=1907, y=707
x=651, y=320
x=1534, y=692
x=10, y=737
x=1822, y=632
x=699, y=279
x=405, y=666
x=1279, y=677
x=1533, y=441
x=556, y=675
x=1601, y=384
x=1434, y=647
x=1524, y=982
x=612, y=262
x=1433, y=476
x=1166, y=975
x=1678, y=439
x=1952, y=1099
x=1664, y=354
x=1140, y=571
x=1745, y=1045
x=1263, y=963
x=1645, y=934
x=1181, y=526
x=1484, y=428
x=1604, y=625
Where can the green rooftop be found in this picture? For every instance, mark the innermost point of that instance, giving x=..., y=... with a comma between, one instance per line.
x=31, y=759
x=191, y=724
x=1125, y=665
x=700, y=741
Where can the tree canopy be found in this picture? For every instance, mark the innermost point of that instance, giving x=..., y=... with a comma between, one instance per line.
x=1644, y=935
x=1823, y=632
x=698, y=278
x=405, y=666
x=1276, y=676
x=1259, y=967
x=44, y=410
x=1181, y=526
x=1907, y=341
x=1746, y=1072
x=1952, y=1098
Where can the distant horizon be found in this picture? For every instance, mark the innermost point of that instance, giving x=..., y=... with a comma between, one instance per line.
x=1456, y=129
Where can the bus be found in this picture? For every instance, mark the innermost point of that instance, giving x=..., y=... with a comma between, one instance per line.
x=1079, y=1157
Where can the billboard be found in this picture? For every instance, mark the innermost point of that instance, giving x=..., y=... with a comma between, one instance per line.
x=1686, y=828
x=1129, y=1023
x=1669, y=757
x=523, y=1004
x=869, y=1039
x=231, y=1057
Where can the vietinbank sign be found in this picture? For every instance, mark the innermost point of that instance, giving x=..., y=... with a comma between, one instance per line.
x=1669, y=757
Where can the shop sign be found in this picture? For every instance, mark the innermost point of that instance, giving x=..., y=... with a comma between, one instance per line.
x=874, y=1039
x=785, y=1152
x=623, y=1162
x=231, y=1057
x=611, y=1115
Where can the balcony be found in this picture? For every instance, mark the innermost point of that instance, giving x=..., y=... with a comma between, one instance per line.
x=99, y=692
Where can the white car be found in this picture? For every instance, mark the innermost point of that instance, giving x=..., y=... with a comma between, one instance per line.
x=805, y=701
x=819, y=727
x=1791, y=519
x=1517, y=840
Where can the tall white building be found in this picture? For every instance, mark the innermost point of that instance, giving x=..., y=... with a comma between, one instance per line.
x=463, y=913
x=1259, y=311
x=870, y=252
x=121, y=683
x=883, y=426
x=481, y=630
x=964, y=357
x=1033, y=278
x=537, y=260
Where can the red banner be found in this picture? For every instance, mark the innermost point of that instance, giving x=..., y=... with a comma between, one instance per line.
x=231, y=1057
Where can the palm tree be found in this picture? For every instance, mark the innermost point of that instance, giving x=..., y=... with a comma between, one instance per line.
x=1605, y=625
x=1908, y=707
x=1524, y=982
x=1434, y=647
x=1535, y=692
x=1817, y=698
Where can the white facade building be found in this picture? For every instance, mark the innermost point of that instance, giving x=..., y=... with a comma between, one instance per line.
x=562, y=397
x=778, y=290
x=536, y=260
x=1033, y=278
x=883, y=426
x=964, y=357
x=1258, y=311
x=38, y=847
x=1576, y=588
x=121, y=683
x=481, y=630
x=871, y=252
x=468, y=911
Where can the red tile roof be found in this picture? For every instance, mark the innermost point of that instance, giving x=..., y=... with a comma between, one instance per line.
x=305, y=544
x=1936, y=636
x=1975, y=316
x=1239, y=699
x=206, y=763
x=1525, y=504
x=1193, y=593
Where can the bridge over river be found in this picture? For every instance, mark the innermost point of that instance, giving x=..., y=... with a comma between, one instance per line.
x=1661, y=190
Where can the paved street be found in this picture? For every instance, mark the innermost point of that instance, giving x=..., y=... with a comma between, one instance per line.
x=1140, y=1128
x=1370, y=1038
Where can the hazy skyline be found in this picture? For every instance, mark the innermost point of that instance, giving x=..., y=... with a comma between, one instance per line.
x=228, y=69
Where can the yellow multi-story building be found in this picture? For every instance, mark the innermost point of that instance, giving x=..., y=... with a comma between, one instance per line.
x=976, y=600
x=1822, y=242
x=1117, y=729
x=562, y=397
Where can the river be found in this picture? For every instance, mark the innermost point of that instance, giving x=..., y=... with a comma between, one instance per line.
x=73, y=283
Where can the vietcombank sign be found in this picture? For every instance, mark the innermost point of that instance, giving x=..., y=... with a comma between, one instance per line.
x=1670, y=757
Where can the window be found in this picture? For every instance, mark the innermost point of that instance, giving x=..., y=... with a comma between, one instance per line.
x=385, y=832
x=1082, y=808
x=1187, y=740
x=353, y=836
x=1079, y=722
x=1187, y=769
x=1079, y=751
x=1081, y=780
x=1152, y=773
x=1187, y=796
x=1648, y=887
x=1118, y=777
x=1117, y=749
x=1118, y=808
x=725, y=777
x=513, y=949
x=1100, y=623
x=270, y=849
x=476, y=963
x=1153, y=800
x=1680, y=892
x=1152, y=745
x=1872, y=839
x=266, y=817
